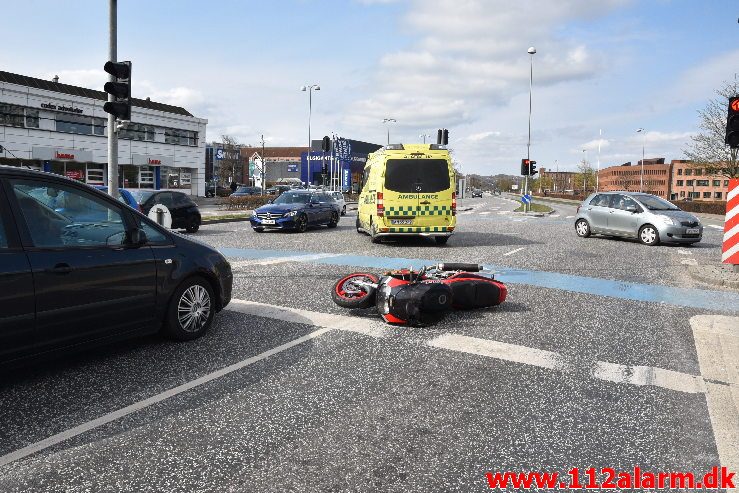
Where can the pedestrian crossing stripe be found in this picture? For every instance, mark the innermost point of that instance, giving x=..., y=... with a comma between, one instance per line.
x=419, y=210
x=428, y=229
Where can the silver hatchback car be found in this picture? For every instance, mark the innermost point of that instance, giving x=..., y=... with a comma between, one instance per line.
x=647, y=217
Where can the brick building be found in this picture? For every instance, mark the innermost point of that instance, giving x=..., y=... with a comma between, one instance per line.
x=561, y=181
x=657, y=177
x=690, y=182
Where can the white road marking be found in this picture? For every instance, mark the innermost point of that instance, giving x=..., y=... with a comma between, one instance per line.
x=685, y=252
x=373, y=328
x=569, y=217
x=513, y=251
x=689, y=261
x=484, y=213
x=495, y=208
x=603, y=370
x=717, y=344
x=554, y=215
x=125, y=411
x=715, y=226
x=281, y=260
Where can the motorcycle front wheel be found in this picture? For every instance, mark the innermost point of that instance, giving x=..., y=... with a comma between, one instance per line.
x=349, y=293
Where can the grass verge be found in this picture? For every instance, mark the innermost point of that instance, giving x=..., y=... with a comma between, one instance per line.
x=535, y=208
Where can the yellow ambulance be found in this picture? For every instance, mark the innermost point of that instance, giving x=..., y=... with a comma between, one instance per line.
x=408, y=190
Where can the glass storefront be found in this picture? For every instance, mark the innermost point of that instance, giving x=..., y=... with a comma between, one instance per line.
x=176, y=177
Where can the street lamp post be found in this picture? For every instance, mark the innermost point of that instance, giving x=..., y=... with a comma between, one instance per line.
x=644, y=142
x=423, y=136
x=531, y=51
x=387, y=122
x=585, y=173
x=309, y=88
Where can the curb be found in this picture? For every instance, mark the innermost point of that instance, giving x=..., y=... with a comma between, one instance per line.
x=715, y=275
x=229, y=220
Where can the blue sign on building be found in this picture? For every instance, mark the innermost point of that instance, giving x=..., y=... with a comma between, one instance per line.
x=292, y=168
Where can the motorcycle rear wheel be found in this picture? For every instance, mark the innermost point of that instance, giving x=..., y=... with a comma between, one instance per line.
x=346, y=295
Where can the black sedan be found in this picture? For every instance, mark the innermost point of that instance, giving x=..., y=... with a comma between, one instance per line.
x=78, y=268
x=185, y=212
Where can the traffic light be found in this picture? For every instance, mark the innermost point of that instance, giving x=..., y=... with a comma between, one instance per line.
x=120, y=107
x=524, y=167
x=326, y=144
x=732, y=123
x=445, y=140
x=439, y=136
x=532, y=168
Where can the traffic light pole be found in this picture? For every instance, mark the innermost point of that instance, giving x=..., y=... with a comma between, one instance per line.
x=528, y=142
x=112, y=133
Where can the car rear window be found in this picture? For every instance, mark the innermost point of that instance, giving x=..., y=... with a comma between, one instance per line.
x=417, y=175
x=601, y=200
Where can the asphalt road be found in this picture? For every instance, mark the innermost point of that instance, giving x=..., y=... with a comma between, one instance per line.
x=605, y=354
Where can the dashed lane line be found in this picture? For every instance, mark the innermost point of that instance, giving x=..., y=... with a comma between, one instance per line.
x=281, y=260
x=485, y=213
x=513, y=251
x=714, y=226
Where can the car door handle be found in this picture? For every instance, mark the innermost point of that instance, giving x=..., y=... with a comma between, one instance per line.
x=60, y=269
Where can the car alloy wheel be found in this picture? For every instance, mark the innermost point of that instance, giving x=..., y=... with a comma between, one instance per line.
x=334, y=220
x=301, y=223
x=649, y=235
x=343, y=211
x=582, y=228
x=193, y=308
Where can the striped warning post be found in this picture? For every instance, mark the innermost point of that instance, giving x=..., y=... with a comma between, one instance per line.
x=731, y=226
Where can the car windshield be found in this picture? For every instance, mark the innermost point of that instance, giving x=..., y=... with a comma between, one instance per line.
x=293, y=198
x=656, y=204
x=141, y=196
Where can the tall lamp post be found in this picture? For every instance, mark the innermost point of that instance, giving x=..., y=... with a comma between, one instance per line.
x=643, y=144
x=309, y=88
x=585, y=173
x=423, y=136
x=531, y=51
x=387, y=122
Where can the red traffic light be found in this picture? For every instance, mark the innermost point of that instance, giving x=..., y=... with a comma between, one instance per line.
x=119, y=70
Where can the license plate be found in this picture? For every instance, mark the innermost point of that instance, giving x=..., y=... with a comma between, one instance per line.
x=268, y=221
x=401, y=221
x=692, y=231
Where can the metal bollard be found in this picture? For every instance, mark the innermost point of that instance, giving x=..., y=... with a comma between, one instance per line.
x=160, y=216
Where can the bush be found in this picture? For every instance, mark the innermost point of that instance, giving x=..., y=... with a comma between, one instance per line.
x=700, y=206
x=561, y=196
x=248, y=202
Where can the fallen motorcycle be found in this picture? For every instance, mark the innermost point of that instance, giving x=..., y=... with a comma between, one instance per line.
x=420, y=297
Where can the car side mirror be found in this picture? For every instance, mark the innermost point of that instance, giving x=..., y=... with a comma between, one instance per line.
x=137, y=237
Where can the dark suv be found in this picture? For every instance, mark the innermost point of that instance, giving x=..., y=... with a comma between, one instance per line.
x=78, y=267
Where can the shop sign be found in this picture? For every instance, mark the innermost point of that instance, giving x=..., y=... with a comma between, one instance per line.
x=74, y=174
x=67, y=109
x=61, y=154
x=149, y=160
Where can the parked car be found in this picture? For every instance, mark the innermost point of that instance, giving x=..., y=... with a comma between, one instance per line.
x=647, y=217
x=243, y=191
x=271, y=191
x=297, y=210
x=213, y=190
x=339, y=198
x=123, y=196
x=95, y=271
x=185, y=213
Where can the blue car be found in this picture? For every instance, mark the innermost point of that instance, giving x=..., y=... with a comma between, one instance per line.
x=297, y=210
x=123, y=196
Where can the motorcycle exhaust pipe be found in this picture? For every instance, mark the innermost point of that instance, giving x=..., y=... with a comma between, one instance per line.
x=459, y=266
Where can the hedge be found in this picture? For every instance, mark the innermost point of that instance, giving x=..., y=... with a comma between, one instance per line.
x=700, y=206
x=247, y=202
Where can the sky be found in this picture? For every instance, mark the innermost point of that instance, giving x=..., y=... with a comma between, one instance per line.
x=602, y=69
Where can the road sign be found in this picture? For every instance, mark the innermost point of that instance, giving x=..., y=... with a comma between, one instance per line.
x=526, y=199
x=731, y=225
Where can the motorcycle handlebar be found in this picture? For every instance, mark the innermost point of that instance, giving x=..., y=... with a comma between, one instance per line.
x=459, y=266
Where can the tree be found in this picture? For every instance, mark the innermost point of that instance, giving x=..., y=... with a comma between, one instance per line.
x=543, y=182
x=229, y=168
x=707, y=149
x=504, y=184
x=585, y=176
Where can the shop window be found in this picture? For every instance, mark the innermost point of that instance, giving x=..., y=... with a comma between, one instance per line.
x=32, y=118
x=74, y=124
x=11, y=114
x=146, y=177
x=95, y=175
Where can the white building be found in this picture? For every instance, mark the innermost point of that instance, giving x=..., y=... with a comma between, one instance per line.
x=63, y=129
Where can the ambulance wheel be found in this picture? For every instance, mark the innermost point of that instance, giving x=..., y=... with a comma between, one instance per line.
x=373, y=234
